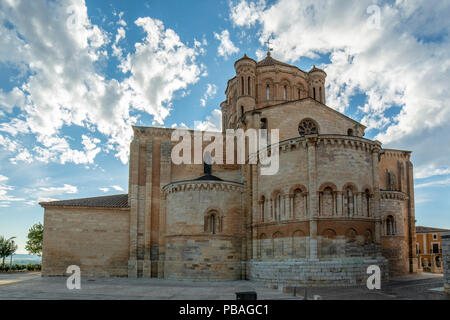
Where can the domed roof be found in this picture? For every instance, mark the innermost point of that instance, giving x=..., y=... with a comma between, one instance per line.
x=315, y=69
x=245, y=57
x=269, y=61
x=208, y=177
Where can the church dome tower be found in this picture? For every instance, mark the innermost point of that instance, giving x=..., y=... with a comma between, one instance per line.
x=317, y=84
x=246, y=85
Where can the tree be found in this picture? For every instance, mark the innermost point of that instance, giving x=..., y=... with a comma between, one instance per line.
x=7, y=248
x=35, y=236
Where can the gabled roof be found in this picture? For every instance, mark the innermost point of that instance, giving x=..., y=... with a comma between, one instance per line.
x=114, y=201
x=421, y=229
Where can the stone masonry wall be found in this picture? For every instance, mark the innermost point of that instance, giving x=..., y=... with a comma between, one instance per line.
x=446, y=260
x=96, y=240
x=331, y=272
x=192, y=249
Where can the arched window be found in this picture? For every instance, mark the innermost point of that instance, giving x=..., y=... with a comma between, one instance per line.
x=242, y=85
x=314, y=93
x=299, y=93
x=267, y=92
x=242, y=110
x=350, y=132
x=213, y=222
x=263, y=123
x=306, y=127
x=278, y=216
x=263, y=208
x=367, y=196
x=390, y=226
x=320, y=94
x=249, y=86
x=349, y=203
x=285, y=93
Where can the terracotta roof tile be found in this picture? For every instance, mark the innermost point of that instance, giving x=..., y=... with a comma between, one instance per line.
x=114, y=201
x=269, y=61
x=421, y=229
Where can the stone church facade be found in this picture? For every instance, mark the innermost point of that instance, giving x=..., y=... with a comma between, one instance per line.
x=338, y=203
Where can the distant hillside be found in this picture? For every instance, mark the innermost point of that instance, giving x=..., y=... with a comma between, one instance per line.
x=24, y=259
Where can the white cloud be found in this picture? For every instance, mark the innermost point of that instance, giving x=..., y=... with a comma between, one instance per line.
x=61, y=53
x=226, y=46
x=211, y=90
x=104, y=189
x=5, y=197
x=404, y=63
x=213, y=122
x=117, y=188
x=246, y=13
x=437, y=183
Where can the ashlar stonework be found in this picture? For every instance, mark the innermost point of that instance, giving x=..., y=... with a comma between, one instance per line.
x=339, y=202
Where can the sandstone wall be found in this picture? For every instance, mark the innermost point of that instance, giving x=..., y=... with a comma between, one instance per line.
x=96, y=240
x=198, y=246
x=331, y=272
x=394, y=243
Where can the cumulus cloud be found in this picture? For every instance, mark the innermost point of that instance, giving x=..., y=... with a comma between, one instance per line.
x=246, y=13
x=61, y=52
x=226, y=46
x=211, y=90
x=401, y=63
x=213, y=122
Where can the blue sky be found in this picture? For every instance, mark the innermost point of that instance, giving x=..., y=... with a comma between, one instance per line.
x=75, y=75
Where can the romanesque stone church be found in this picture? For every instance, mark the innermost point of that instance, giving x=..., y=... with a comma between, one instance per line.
x=338, y=203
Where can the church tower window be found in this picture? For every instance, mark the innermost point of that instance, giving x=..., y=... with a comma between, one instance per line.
x=350, y=132
x=242, y=85
x=320, y=94
x=306, y=127
x=249, y=86
x=267, y=92
x=285, y=93
x=213, y=222
x=314, y=93
x=263, y=123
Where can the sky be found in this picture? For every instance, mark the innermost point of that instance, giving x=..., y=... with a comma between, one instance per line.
x=76, y=75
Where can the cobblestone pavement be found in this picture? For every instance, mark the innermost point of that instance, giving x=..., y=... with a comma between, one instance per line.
x=33, y=286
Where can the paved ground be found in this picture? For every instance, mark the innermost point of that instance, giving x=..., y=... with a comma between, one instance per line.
x=33, y=286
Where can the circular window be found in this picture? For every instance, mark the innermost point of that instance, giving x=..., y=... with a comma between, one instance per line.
x=307, y=127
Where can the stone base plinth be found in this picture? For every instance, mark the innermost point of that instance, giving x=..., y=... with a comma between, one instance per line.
x=339, y=272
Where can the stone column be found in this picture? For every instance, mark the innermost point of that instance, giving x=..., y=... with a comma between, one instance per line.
x=446, y=260
x=312, y=188
x=339, y=203
x=148, y=211
x=305, y=204
x=133, y=203
x=291, y=206
x=287, y=207
x=359, y=204
x=376, y=190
